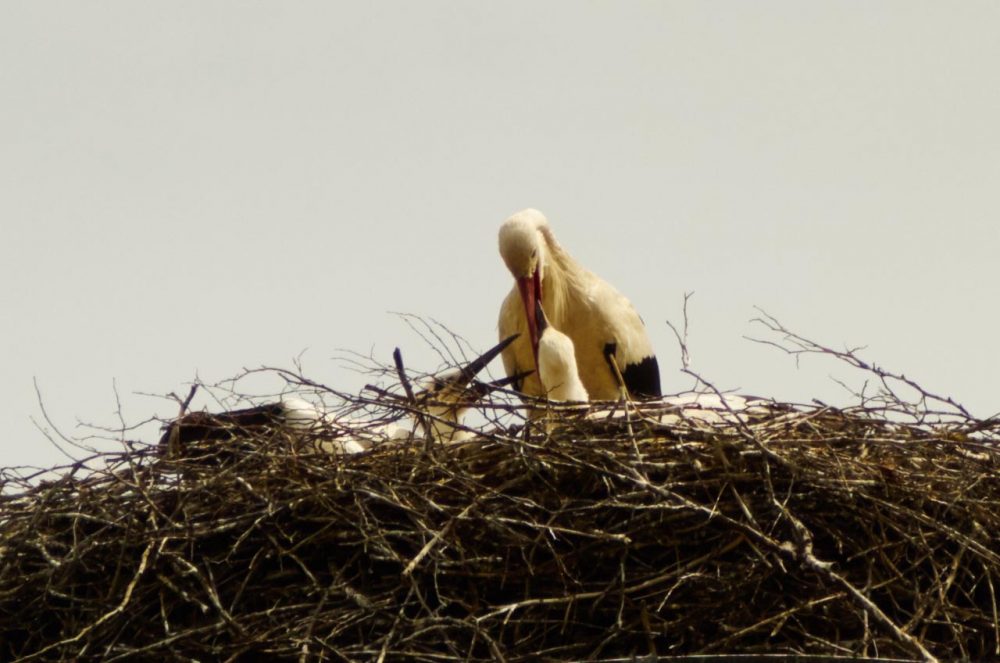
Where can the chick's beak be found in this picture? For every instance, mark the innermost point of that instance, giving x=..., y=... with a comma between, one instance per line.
x=474, y=367
x=476, y=389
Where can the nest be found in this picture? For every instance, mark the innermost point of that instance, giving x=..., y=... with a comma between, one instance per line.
x=773, y=531
x=785, y=531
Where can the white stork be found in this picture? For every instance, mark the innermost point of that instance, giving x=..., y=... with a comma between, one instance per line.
x=557, y=362
x=443, y=401
x=608, y=335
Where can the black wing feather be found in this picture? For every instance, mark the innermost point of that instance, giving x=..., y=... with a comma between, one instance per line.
x=205, y=426
x=642, y=379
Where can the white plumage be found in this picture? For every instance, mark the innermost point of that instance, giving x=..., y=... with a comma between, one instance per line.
x=600, y=321
x=442, y=403
x=304, y=420
x=557, y=368
x=444, y=399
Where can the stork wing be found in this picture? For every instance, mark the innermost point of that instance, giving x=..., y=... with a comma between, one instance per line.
x=204, y=426
x=628, y=341
x=643, y=378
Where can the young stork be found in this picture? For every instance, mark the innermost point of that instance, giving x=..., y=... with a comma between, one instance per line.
x=557, y=369
x=608, y=335
x=443, y=401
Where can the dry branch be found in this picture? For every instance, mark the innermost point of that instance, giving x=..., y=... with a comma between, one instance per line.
x=781, y=530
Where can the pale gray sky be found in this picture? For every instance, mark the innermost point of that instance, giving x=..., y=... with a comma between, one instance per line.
x=196, y=187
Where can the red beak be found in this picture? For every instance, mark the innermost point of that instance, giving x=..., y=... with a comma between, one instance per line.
x=530, y=288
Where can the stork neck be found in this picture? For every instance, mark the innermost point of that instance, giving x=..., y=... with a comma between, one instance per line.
x=559, y=276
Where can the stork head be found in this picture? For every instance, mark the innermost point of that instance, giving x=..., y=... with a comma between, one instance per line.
x=523, y=250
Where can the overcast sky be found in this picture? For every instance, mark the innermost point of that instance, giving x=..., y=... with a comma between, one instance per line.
x=191, y=188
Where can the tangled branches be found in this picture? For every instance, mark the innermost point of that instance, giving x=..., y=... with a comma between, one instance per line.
x=772, y=529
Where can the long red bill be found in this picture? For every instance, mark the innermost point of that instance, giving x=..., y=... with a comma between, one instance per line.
x=530, y=288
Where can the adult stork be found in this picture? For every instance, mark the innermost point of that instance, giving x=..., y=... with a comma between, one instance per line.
x=441, y=404
x=609, y=336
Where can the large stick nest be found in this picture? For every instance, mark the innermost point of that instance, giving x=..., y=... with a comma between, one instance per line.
x=785, y=530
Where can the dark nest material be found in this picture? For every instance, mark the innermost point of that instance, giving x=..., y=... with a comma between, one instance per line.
x=780, y=532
